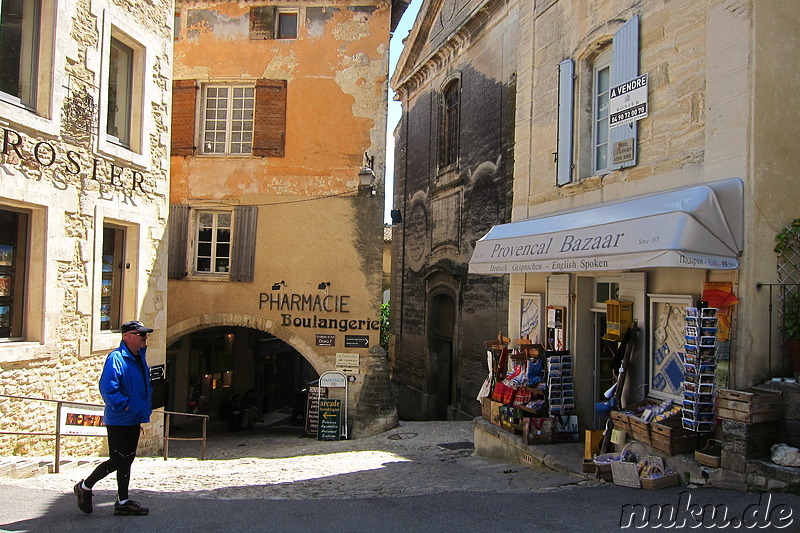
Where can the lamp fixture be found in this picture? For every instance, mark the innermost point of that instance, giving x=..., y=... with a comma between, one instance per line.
x=278, y=285
x=324, y=285
x=397, y=218
x=366, y=176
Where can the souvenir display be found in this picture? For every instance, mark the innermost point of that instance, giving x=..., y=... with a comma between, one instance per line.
x=700, y=367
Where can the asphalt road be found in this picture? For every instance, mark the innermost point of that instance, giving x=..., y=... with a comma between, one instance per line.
x=579, y=509
x=420, y=477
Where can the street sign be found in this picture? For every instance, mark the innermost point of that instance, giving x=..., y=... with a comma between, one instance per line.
x=324, y=339
x=628, y=102
x=347, y=363
x=330, y=419
x=157, y=372
x=356, y=341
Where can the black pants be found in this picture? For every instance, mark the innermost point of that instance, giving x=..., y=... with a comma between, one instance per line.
x=122, y=443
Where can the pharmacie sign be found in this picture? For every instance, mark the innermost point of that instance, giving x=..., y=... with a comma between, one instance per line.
x=60, y=165
x=628, y=102
x=312, y=311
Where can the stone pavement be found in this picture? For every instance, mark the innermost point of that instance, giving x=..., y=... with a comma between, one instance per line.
x=417, y=458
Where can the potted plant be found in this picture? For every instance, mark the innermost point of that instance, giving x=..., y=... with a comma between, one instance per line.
x=787, y=246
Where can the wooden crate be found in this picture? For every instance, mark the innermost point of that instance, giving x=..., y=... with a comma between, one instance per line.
x=669, y=436
x=640, y=430
x=621, y=421
x=751, y=406
x=490, y=410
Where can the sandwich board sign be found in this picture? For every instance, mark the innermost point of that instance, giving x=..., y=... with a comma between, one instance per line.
x=331, y=424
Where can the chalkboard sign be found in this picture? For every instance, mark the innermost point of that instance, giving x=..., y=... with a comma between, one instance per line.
x=330, y=417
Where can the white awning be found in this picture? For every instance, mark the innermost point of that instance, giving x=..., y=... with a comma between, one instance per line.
x=695, y=227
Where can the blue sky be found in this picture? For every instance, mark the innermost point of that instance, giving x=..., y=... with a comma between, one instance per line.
x=395, y=109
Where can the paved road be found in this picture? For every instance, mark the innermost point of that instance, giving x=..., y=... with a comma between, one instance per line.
x=420, y=477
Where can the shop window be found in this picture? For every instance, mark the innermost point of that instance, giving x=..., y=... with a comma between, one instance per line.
x=13, y=261
x=123, y=108
x=223, y=242
x=617, y=63
x=605, y=290
x=450, y=124
x=286, y=24
x=113, y=261
x=20, y=32
x=245, y=119
x=228, y=119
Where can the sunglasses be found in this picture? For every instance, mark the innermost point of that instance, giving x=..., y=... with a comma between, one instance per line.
x=139, y=333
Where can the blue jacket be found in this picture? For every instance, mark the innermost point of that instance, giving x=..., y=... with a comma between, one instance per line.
x=125, y=386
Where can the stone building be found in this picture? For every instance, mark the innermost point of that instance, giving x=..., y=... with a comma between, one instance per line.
x=661, y=185
x=456, y=79
x=275, y=255
x=84, y=103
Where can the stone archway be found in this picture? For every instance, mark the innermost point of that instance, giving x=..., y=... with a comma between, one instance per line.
x=190, y=325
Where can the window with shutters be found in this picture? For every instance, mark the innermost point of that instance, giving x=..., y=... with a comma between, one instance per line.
x=228, y=113
x=222, y=242
x=591, y=142
x=213, y=242
x=246, y=119
x=286, y=23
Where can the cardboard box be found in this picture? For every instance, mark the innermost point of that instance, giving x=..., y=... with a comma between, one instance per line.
x=592, y=441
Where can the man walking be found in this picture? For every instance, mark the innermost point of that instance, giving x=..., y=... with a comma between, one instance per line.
x=125, y=386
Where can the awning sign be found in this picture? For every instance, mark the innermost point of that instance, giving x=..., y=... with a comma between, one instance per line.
x=696, y=227
x=628, y=102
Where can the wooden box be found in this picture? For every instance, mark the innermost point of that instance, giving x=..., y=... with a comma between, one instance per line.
x=621, y=421
x=751, y=406
x=669, y=436
x=640, y=430
x=490, y=410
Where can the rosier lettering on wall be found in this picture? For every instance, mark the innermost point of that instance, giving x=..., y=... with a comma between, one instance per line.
x=315, y=303
x=17, y=150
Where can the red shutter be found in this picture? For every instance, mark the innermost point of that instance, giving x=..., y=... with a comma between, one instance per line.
x=184, y=103
x=269, y=133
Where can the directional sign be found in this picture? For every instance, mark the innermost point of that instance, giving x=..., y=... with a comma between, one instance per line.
x=157, y=372
x=325, y=339
x=330, y=419
x=356, y=341
x=347, y=363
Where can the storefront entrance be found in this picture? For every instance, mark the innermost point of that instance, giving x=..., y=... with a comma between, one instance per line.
x=212, y=369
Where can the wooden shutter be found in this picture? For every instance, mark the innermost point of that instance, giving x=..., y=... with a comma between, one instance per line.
x=178, y=236
x=262, y=22
x=566, y=98
x=269, y=133
x=184, y=105
x=625, y=67
x=243, y=254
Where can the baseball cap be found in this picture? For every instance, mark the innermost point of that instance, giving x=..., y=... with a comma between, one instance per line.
x=135, y=325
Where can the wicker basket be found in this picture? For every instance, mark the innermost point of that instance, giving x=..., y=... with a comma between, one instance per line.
x=626, y=473
x=661, y=482
x=603, y=464
x=711, y=455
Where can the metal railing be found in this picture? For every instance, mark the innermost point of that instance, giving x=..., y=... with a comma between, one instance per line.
x=58, y=433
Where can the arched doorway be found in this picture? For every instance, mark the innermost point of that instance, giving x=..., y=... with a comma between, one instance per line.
x=211, y=368
x=441, y=328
